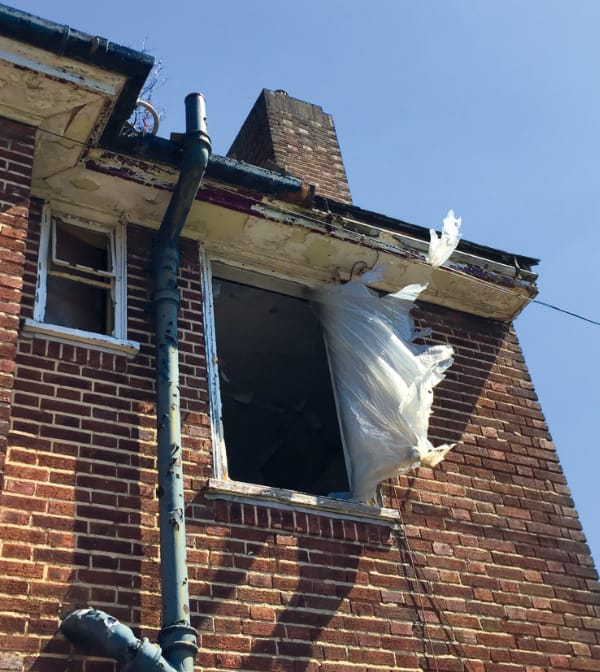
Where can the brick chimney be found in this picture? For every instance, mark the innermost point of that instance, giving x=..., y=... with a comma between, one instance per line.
x=299, y=138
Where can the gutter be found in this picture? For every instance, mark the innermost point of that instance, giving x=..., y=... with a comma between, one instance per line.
x=354, y=214
x=90, y=49
x=132, y=158
x=150, y=149
x=100, y=633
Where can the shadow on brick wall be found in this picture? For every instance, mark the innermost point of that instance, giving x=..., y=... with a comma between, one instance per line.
x=277, y=589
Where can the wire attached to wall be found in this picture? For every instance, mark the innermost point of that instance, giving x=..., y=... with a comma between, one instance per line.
x=421, y=589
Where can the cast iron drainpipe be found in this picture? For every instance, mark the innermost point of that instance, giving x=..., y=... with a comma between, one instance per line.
x=177, y=638
x=95, y=629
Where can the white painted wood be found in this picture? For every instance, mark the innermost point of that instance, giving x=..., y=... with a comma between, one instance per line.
x=297, y=501
x=39, y=308
x=78, y=337
x=39, y=60
x=214, y=390
x=117, y=275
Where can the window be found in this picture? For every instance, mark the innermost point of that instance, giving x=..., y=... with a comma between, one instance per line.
x=278, y=410
x=280, y=420
x=81, y=286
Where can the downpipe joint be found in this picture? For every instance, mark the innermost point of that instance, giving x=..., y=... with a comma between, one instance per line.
x=104, y=635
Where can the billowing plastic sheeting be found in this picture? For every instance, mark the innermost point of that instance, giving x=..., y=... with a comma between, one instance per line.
x=383, y=381
x=441, y=248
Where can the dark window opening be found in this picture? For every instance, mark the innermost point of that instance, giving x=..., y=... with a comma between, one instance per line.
x=77, y=305
x=279, y=418
x=85, y=248
x=80, y=284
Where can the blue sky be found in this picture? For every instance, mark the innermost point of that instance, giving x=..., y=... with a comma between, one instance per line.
x=490, y=108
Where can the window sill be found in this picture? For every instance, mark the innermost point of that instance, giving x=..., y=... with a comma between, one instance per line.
x=78, y=337
x=297, y=501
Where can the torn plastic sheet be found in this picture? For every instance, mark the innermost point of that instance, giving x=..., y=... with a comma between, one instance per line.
x=383, y=380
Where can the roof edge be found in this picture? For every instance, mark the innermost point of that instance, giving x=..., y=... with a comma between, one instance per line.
x=422, y=233
x=67, y=42
x=274, y=184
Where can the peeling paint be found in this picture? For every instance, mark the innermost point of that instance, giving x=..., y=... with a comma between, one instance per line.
x=319, y=252
x=299, y=235
x=315, y=253
x=84, y=184
x=52, y=67
x=128, y=170
x=228, y=199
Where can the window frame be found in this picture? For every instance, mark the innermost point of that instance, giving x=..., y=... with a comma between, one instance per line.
x=115, y=342
x=221, y=486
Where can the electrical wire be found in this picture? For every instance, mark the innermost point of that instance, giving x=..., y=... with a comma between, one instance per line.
x=566, y=312
x=420, y=608
x=424, y=589
x=62, y=136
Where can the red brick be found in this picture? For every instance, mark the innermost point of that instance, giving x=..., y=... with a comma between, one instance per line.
x=495, y=579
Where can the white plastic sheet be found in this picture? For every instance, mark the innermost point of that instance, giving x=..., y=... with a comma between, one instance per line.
x=384, y=381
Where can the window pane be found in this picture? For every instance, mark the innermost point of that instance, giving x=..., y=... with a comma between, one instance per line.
x=79, y=306
x=279, y=416
x=84, y=247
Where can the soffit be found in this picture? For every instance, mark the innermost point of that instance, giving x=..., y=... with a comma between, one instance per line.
x=284, y=241
x=68, y=101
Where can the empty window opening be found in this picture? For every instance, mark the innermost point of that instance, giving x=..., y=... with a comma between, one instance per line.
x=80, y=279
x=279, y=417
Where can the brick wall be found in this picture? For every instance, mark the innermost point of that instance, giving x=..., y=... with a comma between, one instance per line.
x=298, y=137
x=489, y=571
x=16, y=161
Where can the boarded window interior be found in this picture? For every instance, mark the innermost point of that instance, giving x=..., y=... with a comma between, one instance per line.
x=279, y=417
x=79, y=284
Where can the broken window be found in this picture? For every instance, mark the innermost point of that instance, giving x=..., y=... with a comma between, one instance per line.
x=279, y=417
x=80, y=276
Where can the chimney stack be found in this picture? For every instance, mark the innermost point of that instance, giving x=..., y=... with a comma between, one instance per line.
x=284, y=133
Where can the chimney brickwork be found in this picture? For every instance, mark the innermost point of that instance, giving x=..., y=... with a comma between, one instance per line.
x=294, y=136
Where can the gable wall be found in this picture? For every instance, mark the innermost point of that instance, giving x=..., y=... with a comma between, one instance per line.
x=489, y=571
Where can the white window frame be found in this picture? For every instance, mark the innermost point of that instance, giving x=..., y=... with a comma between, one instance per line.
x=115, y=342
x=220, y=486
